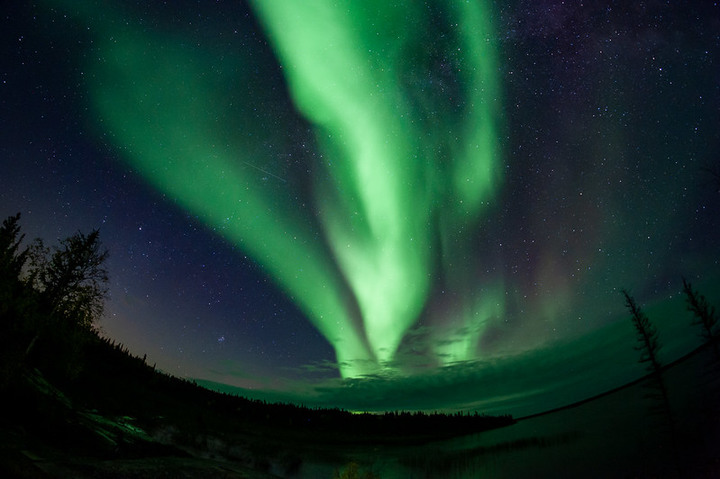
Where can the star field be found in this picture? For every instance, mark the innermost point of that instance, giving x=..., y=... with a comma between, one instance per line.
x=410, y=206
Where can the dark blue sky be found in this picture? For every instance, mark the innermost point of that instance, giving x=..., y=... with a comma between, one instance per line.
x=610, y=114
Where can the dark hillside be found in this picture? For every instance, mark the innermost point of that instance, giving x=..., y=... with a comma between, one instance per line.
x=74, y=398
x=118, y=408
x=118, y=383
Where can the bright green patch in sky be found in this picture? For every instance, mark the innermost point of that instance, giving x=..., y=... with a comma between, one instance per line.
x=407, y=131
x=389, y=185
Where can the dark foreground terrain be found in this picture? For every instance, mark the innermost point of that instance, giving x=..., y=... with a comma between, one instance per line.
x=120, y=418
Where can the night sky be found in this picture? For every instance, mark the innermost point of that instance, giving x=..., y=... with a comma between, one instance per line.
x=376, y=205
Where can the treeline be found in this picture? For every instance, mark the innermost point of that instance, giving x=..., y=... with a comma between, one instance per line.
x=120, y=383
x=50, y=301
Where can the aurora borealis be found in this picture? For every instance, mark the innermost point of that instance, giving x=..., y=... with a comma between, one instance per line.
x=341, y=201
x=385, y=199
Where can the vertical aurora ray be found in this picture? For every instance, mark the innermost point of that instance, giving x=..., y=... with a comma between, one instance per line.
x=345, y=64
x=378, y=212
x=408, y=162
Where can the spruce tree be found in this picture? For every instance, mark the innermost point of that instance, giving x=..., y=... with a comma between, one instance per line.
x=649, y=347
x=704, y=315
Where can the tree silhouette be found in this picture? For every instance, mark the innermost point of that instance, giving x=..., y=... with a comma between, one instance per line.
x=72, y=279
x=12, y=258
x=649, y=347
x=50, y=299
x=647, y=336
x=13, y=304
x=70, y=282
x=704, y=315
